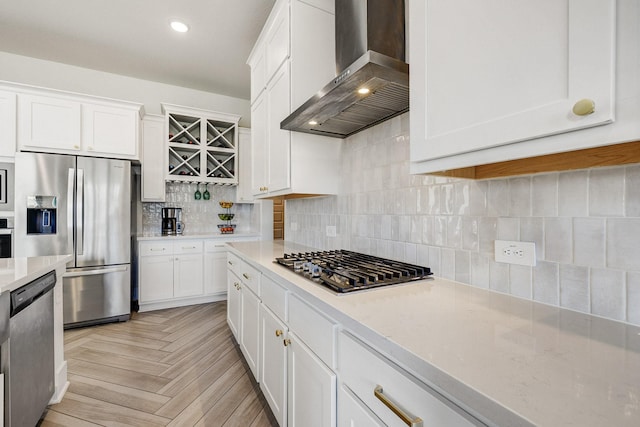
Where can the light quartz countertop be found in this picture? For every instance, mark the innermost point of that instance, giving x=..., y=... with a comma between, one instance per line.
x=217, y=236
x=509, y=361
x=16, y=272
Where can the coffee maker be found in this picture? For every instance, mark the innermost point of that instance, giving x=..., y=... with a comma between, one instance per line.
x=171, y=221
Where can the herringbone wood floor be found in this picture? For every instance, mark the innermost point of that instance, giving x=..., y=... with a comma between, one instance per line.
x=174, y=367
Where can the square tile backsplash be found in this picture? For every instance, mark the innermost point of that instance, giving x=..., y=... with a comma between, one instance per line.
x=585, y=224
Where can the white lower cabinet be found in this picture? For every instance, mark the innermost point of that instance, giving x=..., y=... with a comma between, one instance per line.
x=273, y=363
x=215, y=268
x=187, y=275
x=293, y=373
x=233, y=304
x=353, y=413
x=391, y=394
x=179, y=272
x=170, y=270
x=311, y=388
x=157, y=273
x=249, y=328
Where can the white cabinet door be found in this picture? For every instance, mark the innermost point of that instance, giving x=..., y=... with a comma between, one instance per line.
x=259, y=146
x=258, y=71
x=156, y=278
x=273, y=363
x=312, y=388
x=310, y=73
x=278, y=108
x=7, y=123
x=50, y=123
x=153, y=159
x=277, y=40
x=250, y=329
x=187, y=275
x=110, y=130
x=244, y=193
x=353, y=413
x=501, y=73
x=215, y=272
x=233, y=304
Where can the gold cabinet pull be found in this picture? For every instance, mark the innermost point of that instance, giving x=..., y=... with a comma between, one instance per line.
x=286, y=342
x=237, y=285
x=229, y=262
x=406, y=418
x=584, y=107
x=246, y=276
x=278, y=332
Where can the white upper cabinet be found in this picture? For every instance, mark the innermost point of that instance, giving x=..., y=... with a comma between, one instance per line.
x=110, y=130
x=509, y=80
x=153, y=159
x=46, y=122
x=293, y=58
x=60, y=122
x=7, y=123
x=277, y=40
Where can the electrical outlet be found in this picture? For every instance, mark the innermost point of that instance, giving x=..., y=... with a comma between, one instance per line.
x=521, y=253
x=331, y=231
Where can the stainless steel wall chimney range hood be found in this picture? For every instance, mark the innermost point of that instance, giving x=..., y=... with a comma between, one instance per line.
x=372, y=83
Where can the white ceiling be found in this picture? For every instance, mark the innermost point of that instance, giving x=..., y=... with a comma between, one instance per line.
x=133, y=38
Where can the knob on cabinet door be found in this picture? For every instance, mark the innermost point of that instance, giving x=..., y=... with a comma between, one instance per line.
x=584, y=107
x=278, y=332
x=286, y=342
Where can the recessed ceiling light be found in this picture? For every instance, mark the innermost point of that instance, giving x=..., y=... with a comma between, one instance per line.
x=313, y=123
x=180, y=27
x=363, y=91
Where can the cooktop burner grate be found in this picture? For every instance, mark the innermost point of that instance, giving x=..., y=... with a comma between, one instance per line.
x=347, y=271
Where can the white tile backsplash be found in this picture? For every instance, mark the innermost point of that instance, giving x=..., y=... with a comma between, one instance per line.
x=608, y=293
x=574, y=287
x=606, y=192
x=585, y=224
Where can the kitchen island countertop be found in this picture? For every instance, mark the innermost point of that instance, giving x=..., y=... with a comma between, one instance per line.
x=509, y=361
x=16, y=272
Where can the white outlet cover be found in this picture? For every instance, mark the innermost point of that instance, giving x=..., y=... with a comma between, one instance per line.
x=331, y=231
x=513, y=252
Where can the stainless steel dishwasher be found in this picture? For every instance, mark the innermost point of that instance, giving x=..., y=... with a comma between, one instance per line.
x=29, y=382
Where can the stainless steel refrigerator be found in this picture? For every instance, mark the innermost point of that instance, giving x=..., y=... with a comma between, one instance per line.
x=81, y=206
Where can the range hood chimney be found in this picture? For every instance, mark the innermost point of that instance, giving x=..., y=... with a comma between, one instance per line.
x=372, y=83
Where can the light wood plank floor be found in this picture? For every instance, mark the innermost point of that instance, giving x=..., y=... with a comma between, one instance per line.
x=174, y=367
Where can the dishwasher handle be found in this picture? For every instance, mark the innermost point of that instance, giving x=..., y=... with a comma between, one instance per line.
x=24, y=296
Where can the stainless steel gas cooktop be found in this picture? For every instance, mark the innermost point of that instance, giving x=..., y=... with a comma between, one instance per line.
x=347, y=271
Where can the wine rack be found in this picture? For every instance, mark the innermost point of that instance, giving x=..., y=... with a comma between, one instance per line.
x=202, y=145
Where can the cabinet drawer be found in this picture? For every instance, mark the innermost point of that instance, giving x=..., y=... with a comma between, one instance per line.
x=155, y=248
x=187, y=247
x=364, y=371
x=249, y=275
x=317, y=331
x=274, y=296
x=214, y=246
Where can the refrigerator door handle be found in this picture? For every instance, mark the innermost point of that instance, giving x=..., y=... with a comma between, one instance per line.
x=80, y=214
x=95, y=271
x=70, y=208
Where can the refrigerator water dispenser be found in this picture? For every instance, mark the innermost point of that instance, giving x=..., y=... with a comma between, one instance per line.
x=41, y=214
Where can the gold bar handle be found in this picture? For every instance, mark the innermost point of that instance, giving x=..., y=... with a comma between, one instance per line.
x=406, y=418
x=246, y=276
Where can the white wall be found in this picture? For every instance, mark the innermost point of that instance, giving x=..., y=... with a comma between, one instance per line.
x=37, y=72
